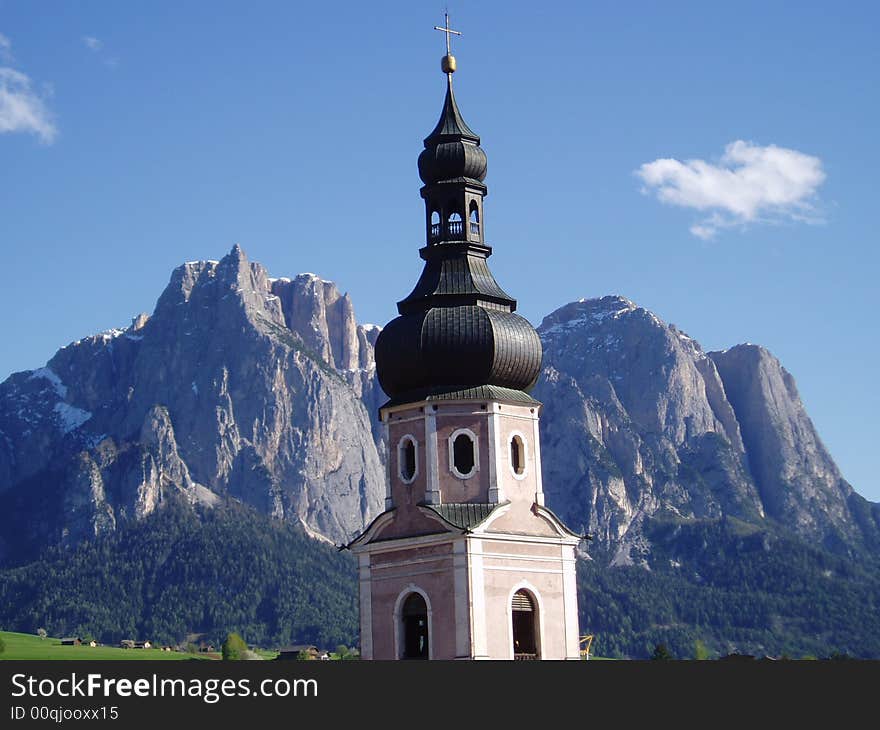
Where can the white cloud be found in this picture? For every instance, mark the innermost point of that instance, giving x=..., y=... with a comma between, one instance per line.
x=92, y=43
x=5, y=49
x=21, y=109
x=751, y=184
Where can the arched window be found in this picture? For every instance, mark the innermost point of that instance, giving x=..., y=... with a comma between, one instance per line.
x=415, y=627
x=525, y=631
x=463, y=453
x=474, y=218
x=435, y=224
x=407, y=459
x=455, y=224
x=517, y=455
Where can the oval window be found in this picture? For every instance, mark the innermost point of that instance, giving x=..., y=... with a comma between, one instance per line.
x=463, y=454
x=406, y=455
x=517, y=455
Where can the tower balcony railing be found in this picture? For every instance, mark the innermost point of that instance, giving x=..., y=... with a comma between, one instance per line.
x=456, y=228
x=525, y=656
x=475, y=228
x=435, y=230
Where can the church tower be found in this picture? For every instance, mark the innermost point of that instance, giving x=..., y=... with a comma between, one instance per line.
x=466, y=562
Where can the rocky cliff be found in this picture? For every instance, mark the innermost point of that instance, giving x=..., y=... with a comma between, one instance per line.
x=639, y=421
x=238, y=386
x=262, y=390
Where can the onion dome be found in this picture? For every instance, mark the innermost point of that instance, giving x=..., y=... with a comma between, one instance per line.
x=452, y=151
x=458, y=334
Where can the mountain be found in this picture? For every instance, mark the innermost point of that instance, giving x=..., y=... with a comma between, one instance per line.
x=247, y=405
x=237, y=386
x=639, y=421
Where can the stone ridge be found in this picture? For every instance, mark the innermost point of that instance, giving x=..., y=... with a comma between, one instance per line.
x=236, y=387
x=639, y=421
x=241, y=386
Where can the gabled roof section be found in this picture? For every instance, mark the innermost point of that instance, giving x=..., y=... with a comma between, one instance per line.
x=463, y=515
x=558, y=524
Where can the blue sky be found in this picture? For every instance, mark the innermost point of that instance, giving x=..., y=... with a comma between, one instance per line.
x=134, y=137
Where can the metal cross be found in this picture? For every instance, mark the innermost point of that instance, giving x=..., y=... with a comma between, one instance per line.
x=446, y=29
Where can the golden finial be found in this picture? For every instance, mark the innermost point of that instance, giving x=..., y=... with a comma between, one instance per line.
x=447, y=63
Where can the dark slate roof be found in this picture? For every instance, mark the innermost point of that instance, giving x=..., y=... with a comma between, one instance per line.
x=457, y=348
x=482, y=392
x=452, y=151
x=464, y=516
x=455, y=270
x=451, y=123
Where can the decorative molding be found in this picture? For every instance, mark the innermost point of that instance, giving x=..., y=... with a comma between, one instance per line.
x=536, y=446
x=389, y=497
x=476, y=443
x=518, y=569
x=512, y=537
x=362, y=541
x=461, y=599
x=432, y=487
x=496, y=493
x=570, y=606
x=555, y=522
x=400, y=543
x=377, y=576
x=365, y=597
x=479, y=642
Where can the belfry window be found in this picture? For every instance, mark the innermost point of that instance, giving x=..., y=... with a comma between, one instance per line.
x=474, y=219
x=463, y=456
x=518, y=455
x=524, y=617
x=435, y=225
x=415, y=627
x=407, y=459
x=455, y=224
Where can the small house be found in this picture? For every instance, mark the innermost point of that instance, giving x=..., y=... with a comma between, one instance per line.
x=93, y=643
x=142, y=645
x=126, y=644
x=297, y=651
x=71, y=641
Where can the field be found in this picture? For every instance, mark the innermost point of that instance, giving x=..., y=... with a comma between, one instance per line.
x=28, y=646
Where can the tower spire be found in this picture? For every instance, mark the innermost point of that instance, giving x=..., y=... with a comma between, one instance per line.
x=458, y=331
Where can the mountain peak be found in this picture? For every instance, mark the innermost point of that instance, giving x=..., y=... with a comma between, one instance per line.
x=587, y=313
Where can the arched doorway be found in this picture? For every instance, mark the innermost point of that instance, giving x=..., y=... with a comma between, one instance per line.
x=415, y=627
x=525, y=630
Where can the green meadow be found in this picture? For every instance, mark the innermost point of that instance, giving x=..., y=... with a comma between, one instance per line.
x=29, y=646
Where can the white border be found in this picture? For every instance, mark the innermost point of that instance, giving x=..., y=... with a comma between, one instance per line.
x=407, y=437
x=525, y=455
x=473, y=437
x=398, y=623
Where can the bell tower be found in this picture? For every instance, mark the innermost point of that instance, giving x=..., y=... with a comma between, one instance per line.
x=466, y=561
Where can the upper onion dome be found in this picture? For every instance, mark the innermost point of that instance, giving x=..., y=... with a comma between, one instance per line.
x=452, y=151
